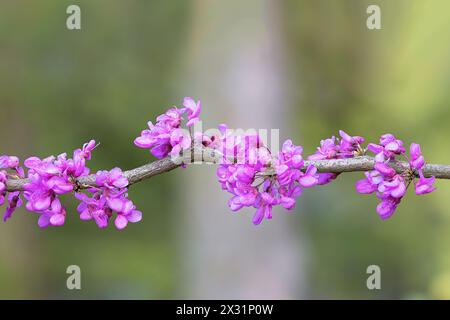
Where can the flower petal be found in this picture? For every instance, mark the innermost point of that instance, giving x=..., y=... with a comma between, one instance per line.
x=120, y=222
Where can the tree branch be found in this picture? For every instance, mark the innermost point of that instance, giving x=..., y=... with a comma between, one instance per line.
x=206, y=155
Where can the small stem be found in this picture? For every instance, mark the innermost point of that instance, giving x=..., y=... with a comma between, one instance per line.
x=363, y=163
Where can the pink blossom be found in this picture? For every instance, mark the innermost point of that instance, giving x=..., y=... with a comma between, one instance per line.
x=193, y=109
x=424, y=185
x=416, y=160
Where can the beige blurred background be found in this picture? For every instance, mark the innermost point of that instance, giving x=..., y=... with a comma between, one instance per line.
x=306, y=67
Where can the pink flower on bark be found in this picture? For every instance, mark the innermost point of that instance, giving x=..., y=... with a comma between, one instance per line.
x=268, y=181
x=193, y=110
x=108, y=197
x=389, y=185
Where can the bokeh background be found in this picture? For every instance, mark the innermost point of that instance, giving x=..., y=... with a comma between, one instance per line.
x=306, y=67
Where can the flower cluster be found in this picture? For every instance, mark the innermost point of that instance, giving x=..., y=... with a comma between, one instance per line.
x=51, y=177
x=262, y=181
x=109, y=195
x=390, y=186
x=166, y=136
x=332, y=148
x=13, y=198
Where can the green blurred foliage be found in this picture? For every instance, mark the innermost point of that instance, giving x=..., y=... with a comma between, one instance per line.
x=59, y=88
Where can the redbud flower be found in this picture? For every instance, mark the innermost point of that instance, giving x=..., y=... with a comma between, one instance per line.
x=193, y=109
x=109, y=196
x=166, y=136
x=395, y=187
x=14, y=201
x=7, y=162
x=348, y=144
x=416, y=160
x=347, y=148
x=54, y=215
x=309, y=178
x=390, y=186
x=171, y=118
x=51, y=177
x=263, y=181
x=391, y=143
x=111, y=180
x=384, y=169
x=3, y=180
x=389, y=147
x=387, y=206
x=424, y=185
x=13, y=198
x=370, y=183
x=291, y=155
x=327, y=150
x=179, y=140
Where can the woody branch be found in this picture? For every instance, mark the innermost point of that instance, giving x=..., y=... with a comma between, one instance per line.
x=206, y=155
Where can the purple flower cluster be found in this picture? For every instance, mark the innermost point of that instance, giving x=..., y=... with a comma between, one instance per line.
x=109, y=195
x=51, y=177
x=263, y=181
x=13, y=198
x=332, y=148
x=166, y=136
x=390, y=187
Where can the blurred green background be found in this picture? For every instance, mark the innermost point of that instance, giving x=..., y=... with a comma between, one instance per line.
x=129, y=62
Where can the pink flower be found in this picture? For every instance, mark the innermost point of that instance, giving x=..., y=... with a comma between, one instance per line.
x=111, y=180
x=366, y=185
x=14, y=201
x=348, y=144
x=387, y=207
x=392, y=144
x=13, y=198
x=108, y=197
x=389, y=147
x=122, y=219
x=265, y=181
x=325, y=178
x=7, y=162
x=327, y=150
x=193, y=109
x=291, y=155
x=51, y=177
x=309, y=178
x=384, y=169
x=171, y=118
x=3, y=180
x=179, y=140
x=416, y=160
x=54, y=215
x=166, y=136
x=424, y=185
x=391, y=186
x=395, y=188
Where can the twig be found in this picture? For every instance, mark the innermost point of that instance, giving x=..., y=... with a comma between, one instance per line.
x=206, y=155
